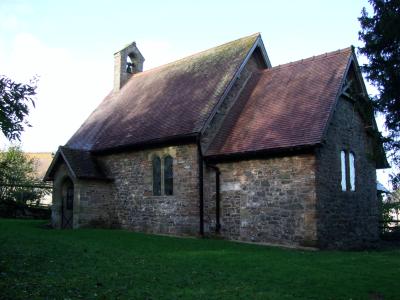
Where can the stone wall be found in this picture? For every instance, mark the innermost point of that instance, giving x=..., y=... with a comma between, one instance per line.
x=134, y=205
x=91, y=206
x=266, y=200
x=293, y=200
x=346, y=219
x=209, y=201
x=95, y=207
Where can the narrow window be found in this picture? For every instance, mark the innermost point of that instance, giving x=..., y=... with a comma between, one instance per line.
x=168, y=175
x=343, y=168
x=156, y=176
x=352, y=172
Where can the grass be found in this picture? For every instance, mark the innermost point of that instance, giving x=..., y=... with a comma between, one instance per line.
x=39, y=263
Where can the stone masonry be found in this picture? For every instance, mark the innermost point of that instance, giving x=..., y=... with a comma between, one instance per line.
x=267, y=200
x=133, y=202
x=293, y=200
x=128, y=201
x=346, y=219
x=91, y=204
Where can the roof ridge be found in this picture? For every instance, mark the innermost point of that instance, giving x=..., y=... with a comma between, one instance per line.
x=257, y=34
x=72, y=149
x=311, y=58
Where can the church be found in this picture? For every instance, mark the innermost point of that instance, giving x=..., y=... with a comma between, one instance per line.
x=222, y=144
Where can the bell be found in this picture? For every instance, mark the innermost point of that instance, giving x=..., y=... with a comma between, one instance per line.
x=129, y=67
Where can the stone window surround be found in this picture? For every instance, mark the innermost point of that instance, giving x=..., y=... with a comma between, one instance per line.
x=156, y=175
x=162, y=154
x=349, y=169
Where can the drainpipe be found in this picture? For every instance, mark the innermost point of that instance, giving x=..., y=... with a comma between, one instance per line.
x=201, y=196
x=217, y=197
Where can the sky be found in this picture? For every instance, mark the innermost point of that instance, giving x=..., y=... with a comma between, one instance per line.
x=70, y=44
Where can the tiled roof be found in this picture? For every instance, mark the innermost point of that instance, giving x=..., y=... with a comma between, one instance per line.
x=80, y=163
x=283, y=107
x=170, y=101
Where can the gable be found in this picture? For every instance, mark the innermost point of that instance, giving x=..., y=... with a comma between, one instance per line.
x=284, y=107
x=80, y=164
x=171, y=101
x=354, y=91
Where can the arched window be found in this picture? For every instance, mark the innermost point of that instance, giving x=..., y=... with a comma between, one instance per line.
x=347, y=162
x=352, y=172
x=129, y=65
x=344, y=171
x=156, y=176
x=168, y=175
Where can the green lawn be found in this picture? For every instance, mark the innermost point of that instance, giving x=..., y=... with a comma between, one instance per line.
x=39, y=263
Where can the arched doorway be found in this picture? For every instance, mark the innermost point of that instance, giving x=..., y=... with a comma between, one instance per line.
x=67, y=204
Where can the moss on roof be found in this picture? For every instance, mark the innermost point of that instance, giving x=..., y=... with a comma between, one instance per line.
x=172, y=100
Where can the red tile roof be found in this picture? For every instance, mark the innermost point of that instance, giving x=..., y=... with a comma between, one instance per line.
x=173, y=100
x=283, y=107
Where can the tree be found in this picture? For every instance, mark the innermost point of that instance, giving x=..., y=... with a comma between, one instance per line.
x=15, y=101
x=390, y=215
x=17, y=178
x=381, y=36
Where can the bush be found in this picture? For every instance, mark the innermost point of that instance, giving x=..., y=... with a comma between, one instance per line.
x=18, y=186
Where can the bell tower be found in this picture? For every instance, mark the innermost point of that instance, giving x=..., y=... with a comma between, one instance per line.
x=127, y=62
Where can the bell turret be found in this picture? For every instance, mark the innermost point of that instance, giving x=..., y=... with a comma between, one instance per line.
x=127, y=62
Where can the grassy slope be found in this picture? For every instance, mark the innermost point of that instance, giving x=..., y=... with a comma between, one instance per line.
x=38, y=263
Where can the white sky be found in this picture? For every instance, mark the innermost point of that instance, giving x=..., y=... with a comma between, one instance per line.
x=70, y=45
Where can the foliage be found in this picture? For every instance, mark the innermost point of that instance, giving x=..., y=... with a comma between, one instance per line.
x=381, y=36
x=38, y=263
x=15, y=100
x=17, y=178
x=388, y=210
x=391, y=213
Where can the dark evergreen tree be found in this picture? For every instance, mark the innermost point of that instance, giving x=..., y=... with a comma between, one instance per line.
x=381, y=36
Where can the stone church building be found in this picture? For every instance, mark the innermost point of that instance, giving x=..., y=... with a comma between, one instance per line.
x=221, y=143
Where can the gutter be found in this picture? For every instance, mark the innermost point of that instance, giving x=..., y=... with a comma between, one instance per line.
x=217, y=197
x=162, y=142
x=259, y=154
x=201, y=184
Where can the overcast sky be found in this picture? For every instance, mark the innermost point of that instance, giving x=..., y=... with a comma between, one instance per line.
x=70, y=45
